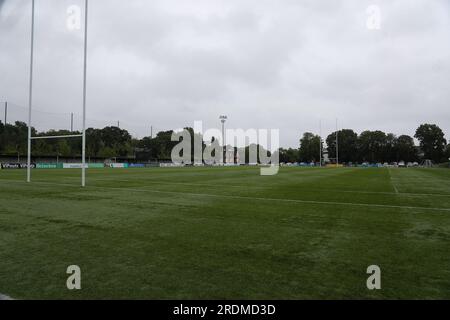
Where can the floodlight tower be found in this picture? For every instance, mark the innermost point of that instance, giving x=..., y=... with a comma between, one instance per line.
x=223, y=119
x=337, y=145
x=6, y=111
x=320, y=143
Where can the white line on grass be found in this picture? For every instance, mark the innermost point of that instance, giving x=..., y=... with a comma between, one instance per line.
x=265, y=188
x=390, y=178
x=281, y=200
x=368, y=205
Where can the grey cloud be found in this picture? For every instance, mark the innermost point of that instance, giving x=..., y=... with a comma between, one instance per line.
x=272, y=64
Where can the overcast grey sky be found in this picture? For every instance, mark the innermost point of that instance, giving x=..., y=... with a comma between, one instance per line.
x=266, y=64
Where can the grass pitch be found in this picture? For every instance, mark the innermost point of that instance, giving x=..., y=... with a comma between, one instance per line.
x=226, y=233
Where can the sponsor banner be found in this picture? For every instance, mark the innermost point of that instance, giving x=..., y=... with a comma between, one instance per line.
x=170, y=164
x=46, y=166
x=11, y=166
x=136, y=165
x=72, y=165
x=118, y=165
x=65, y=165
x=80, y=165
x=16, y=165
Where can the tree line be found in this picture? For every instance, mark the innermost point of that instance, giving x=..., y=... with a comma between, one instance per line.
x=372, y=146
x=103, y=143
x=109, y=142
x=106, y=143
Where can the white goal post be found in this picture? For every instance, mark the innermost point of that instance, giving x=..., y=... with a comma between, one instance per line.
x=30, y=101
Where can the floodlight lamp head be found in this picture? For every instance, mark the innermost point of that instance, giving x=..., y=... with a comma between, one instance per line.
x=223, y=118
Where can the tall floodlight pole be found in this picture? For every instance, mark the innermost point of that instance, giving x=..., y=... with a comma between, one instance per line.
x=223, y=119
x=337, y=144
x=30, y=94
x=6, y=112
x=83, y=152
x=320, y=143
x=71, y=122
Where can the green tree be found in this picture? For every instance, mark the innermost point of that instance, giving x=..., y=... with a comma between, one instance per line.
x=390, y=148
x=159, y=147
x=199, y=137
x=255, y=149
x=107, y=152
x=405, y=149
x=432, y=141
x=117, y=140
x=372, y=146
x=63, y=148
x=348, y=145
x=309, y=147
x=14, y=138
x=94, y=142
x=289, y=155
x=447, y=152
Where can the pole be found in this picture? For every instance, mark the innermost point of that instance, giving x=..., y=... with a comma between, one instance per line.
x=151, y=132
x=337, y=144
x=30, y=94
x=71, y=122
x=224, y=143
x=118, y=124
x=320, y=143
x=223, y=118
x=83, y=151
x=6, y=111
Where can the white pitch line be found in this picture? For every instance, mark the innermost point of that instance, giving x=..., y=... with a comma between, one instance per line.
x=367, y=205
x=395, y=188
x=265, y=188
x=283, y=200
x=392, y=184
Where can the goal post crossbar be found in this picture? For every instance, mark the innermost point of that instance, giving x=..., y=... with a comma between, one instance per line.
x=83, y=166
x=57, y=137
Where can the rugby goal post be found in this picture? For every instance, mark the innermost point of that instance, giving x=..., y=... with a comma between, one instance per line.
x=30, y=100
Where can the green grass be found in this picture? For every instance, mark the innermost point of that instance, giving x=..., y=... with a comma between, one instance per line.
x=226, y=233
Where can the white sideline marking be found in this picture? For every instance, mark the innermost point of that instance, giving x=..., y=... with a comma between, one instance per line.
x=369, y=205
x=392, y=184
x=280, y=199
x=395, y=188
x=258, y=187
